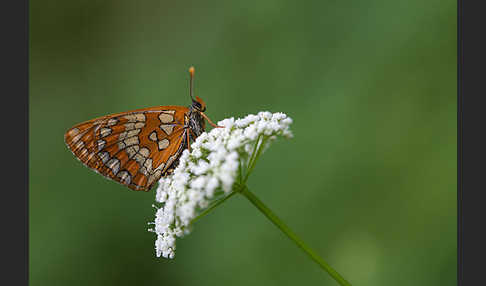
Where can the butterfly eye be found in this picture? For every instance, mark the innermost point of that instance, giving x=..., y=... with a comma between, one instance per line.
x=197, y=105
x=201, y=104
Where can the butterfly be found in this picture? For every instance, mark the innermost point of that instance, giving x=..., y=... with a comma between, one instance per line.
x=138, y=147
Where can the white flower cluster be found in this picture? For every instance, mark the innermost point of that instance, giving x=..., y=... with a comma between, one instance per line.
x=209, y=171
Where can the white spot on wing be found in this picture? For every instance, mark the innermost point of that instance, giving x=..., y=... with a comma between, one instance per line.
x=171, y=159
x=78, y=145
x=111, y=122
x=148, y=165
x=135, y=117
x=114, y=165
x=131, y=141
x=83, y=153
x=121, y=145
x=132, y=150
x=153, y=136
x=134, y=125
x=160, y=167
x=166, y=118
x=144, y=152
x=73, y=132
x=139, y=159
x=163, y=144
x=101, y=144
x=105, y=132
x=155, y=176
x=77, y=137
x=104, y=156
x=146, y=169
x=125, y=177
x=167, y=128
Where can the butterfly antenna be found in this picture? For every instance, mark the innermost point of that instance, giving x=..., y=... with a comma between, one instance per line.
x=191, y=88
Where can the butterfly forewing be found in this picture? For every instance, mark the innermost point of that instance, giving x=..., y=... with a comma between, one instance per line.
x=134, y=148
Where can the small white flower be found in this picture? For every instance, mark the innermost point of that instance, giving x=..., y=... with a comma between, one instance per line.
x=211, y=166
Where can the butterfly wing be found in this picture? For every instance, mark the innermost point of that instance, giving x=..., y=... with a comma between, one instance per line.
x=133, y=148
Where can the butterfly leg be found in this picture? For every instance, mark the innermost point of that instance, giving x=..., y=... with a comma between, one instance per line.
x=188, y=141
x=193, y=135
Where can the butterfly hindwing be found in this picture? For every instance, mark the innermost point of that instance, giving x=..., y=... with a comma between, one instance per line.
x=134, y=148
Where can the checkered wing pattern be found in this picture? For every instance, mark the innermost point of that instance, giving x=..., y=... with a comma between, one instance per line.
x=133, y=148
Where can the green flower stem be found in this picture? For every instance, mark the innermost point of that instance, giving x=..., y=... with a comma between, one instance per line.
x=253, y=159
x=213, y=206
x=250, y=161
x=240, y=187
x=290, y=234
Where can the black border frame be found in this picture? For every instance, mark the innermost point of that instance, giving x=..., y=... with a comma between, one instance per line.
x=14, y=23
x=471, y=153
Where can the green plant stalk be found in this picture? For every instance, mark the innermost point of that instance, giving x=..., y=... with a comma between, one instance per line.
x=240, y=187
x=290, y=234
x=252, y=162
x=213, y=206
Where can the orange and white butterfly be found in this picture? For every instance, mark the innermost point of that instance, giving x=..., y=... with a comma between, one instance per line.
x=136, y=148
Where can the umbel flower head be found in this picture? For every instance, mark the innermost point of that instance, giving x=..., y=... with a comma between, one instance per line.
x=209, y=172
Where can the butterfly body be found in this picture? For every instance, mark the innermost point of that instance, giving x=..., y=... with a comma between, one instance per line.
x=136, y=148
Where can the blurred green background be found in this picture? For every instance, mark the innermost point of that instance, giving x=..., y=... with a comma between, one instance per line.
x=368, y=181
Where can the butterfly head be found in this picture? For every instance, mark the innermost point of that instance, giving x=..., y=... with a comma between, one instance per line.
x=198, y=104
